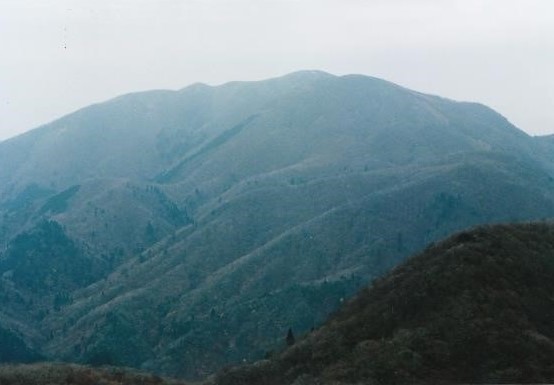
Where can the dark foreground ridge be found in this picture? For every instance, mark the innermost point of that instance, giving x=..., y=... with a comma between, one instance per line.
x=476, y=308
x=54, y=374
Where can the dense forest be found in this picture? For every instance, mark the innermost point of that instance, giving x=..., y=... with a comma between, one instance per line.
x=475, y=308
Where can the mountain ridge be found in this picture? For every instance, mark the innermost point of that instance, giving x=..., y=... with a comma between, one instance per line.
x=473, y=308
x=279, y=191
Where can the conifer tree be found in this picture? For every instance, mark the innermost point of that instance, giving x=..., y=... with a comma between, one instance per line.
x=290, y=338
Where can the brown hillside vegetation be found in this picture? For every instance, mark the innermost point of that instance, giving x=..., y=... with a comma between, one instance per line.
x=67, y=374
x=476, y=308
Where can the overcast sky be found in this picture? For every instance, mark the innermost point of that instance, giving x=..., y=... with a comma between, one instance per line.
x=61, y=55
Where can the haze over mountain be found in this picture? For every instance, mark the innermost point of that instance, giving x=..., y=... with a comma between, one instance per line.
x=182, y=231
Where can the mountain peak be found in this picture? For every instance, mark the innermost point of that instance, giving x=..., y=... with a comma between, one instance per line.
x=282, y=194
x=309, y=74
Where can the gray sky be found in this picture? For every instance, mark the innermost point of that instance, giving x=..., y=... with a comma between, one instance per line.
x=61, y=55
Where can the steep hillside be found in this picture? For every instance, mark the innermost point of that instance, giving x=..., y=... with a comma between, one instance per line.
x=476, y=308
x=13, y=349
x=194, y=227
x=219, y=283
x=545, y=144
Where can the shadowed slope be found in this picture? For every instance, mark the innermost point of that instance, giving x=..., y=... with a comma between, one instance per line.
x=65, y=374
x=475, y=308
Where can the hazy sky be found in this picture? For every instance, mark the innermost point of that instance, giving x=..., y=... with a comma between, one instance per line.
x=60, y=55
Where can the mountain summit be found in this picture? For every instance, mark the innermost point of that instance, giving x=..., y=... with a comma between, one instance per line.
x=180, y=231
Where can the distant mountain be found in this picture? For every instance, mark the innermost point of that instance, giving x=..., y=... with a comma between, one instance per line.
x=180, y=231
x=476, y=308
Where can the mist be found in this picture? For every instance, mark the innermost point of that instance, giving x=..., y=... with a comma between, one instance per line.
x=59, y=56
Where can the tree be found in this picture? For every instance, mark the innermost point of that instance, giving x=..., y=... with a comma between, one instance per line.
x=290, y=338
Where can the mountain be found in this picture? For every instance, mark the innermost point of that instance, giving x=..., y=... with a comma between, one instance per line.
x=545, y=144
x=181, y=231
x=475, y=308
